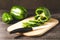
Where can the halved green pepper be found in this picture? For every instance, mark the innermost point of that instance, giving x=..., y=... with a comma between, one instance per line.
x=42, y=14
x=6, y=17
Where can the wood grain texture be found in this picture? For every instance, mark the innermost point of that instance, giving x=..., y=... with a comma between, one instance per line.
x=53, y=34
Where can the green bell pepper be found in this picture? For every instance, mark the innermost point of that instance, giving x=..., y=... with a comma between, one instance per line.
x=7, y=18
x=18, y=12
x=42, y=14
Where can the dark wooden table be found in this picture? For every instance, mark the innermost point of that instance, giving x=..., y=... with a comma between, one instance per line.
x=53, y=34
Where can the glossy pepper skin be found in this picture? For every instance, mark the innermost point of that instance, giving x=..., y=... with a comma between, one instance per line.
x=18, y=12
x=42, y=14
x=6, y=17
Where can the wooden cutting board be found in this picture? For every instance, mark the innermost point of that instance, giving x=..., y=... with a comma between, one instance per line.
x=44, y=28
x=41, y=30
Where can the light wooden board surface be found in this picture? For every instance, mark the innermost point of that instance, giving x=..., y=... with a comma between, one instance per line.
x=43, y=28
x=38, y=31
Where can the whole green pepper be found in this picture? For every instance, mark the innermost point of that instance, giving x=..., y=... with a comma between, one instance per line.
x=42, y=14
x=7, y=18
x=18, y=12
